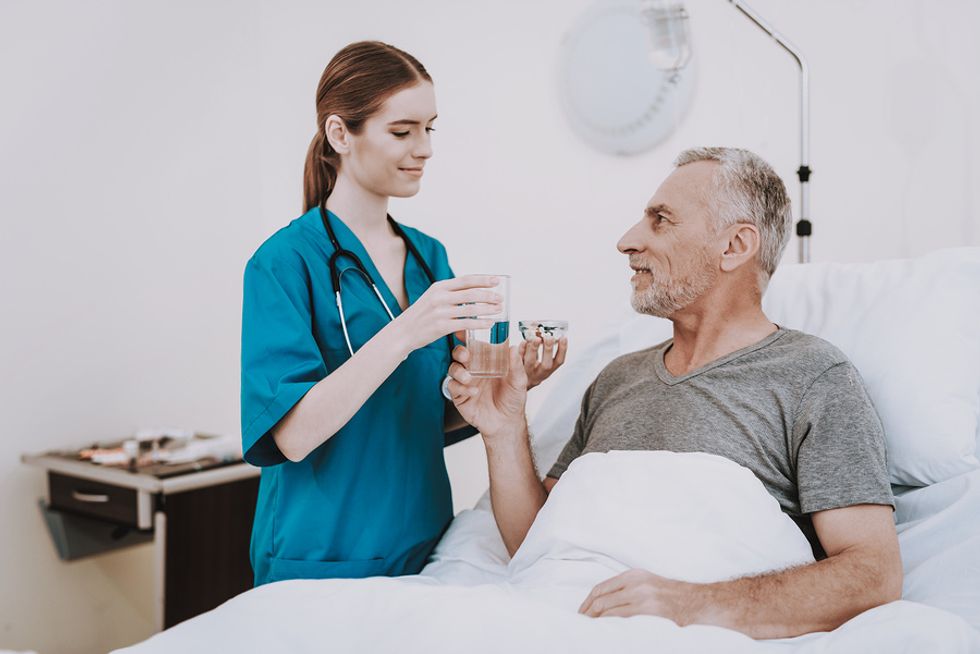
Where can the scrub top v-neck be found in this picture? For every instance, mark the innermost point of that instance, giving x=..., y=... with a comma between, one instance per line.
x=374, y=498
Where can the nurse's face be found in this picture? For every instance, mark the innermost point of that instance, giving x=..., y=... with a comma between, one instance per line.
x=388, y=157
x=674, y=249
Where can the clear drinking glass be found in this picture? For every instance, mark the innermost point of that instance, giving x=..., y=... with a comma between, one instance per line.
x=490, y=348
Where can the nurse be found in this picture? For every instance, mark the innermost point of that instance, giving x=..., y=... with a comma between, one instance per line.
x=345, y=414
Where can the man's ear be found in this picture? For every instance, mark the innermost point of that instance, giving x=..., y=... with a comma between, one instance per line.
x=743, y=245
x=337, y=135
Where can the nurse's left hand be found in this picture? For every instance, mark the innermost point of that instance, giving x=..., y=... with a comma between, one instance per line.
x=541, y=357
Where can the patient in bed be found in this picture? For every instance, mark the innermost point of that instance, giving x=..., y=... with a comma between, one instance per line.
x=787, y=406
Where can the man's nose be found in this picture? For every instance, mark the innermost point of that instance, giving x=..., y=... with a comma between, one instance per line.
x=629, y=242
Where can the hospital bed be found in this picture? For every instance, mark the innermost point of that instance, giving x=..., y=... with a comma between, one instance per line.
x=912, y=328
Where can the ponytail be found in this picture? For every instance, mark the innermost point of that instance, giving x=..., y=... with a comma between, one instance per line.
x=319, y=173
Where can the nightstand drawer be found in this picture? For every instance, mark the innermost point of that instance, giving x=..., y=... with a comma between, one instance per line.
x=93, y=498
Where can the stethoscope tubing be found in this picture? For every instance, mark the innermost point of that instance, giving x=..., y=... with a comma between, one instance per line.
x=335, y=274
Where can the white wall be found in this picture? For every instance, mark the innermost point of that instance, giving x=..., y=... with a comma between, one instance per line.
x=147, y=148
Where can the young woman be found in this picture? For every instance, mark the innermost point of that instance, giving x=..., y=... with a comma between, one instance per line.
x=347, y=329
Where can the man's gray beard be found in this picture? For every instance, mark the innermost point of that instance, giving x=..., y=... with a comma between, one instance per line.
x=664, y=297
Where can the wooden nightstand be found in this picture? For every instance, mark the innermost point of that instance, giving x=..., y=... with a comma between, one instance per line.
x=199, y=522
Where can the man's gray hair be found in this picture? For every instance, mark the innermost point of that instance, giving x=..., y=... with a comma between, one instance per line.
x=748, y=190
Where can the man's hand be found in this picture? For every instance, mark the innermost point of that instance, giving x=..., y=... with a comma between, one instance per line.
x=541, y=358
x=637, y=592
x=495, y=406
x=863, y=569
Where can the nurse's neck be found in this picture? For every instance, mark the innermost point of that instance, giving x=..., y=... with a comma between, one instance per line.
x=363, y=211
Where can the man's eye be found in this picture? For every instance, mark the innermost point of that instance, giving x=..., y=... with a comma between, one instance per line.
x=430, y=129
x=400, y=134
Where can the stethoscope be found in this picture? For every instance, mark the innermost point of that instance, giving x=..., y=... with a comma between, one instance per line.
x=335, y=273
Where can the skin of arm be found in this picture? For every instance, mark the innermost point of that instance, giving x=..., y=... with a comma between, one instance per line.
x=496, y=408
x=334, y=400
x=516, y=491
x=863, y=569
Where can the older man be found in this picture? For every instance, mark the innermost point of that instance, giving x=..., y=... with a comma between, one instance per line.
x=786, y=405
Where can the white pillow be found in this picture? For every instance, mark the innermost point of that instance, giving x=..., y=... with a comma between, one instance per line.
x=690, y=516
x=911, y=327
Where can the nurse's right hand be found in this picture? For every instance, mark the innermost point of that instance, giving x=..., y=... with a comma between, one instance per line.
x=449, y=306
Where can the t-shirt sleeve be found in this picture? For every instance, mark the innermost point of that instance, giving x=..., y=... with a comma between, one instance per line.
x=841, y=457
x=281, y=360
x=576, y=444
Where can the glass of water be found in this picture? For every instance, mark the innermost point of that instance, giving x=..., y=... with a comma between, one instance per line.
x=490, y=348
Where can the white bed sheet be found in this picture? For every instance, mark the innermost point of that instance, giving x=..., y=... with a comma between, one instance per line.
x=461, y=602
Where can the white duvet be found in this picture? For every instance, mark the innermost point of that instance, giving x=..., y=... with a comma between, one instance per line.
x=695, y=517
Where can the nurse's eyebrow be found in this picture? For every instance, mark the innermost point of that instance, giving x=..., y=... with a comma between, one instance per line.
x=406, y=121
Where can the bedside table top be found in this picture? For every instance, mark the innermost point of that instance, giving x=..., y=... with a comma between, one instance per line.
x=188, y=480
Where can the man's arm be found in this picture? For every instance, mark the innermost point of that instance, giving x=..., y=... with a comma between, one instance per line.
x=863, y=569
x=516, y=491
x=496, y=407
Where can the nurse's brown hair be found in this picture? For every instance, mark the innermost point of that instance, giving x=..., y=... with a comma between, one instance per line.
x=354, y=85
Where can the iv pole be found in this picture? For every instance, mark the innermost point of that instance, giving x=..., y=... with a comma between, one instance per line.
x=803, y=227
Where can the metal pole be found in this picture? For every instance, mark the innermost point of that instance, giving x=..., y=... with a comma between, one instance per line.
x=803, y=227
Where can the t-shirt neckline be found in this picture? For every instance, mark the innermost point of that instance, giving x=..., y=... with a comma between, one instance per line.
x=669, y=379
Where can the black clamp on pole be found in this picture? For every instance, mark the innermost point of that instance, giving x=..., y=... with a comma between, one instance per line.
x=804, y=228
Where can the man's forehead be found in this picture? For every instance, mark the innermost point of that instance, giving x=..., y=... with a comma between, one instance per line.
x=687, y=187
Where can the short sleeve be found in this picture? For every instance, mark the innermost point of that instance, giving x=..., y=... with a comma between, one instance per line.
x=576, y=444
x=841, y=457
x=280, y=357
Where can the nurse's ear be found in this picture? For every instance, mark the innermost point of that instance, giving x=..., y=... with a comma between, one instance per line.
x=337, y=134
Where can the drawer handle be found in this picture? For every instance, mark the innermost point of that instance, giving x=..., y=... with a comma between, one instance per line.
x=89, y=497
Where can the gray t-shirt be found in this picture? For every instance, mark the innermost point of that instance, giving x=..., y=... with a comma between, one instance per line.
x=790, y=408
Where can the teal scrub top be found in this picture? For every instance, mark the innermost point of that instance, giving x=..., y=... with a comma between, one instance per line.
x=374, y=498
